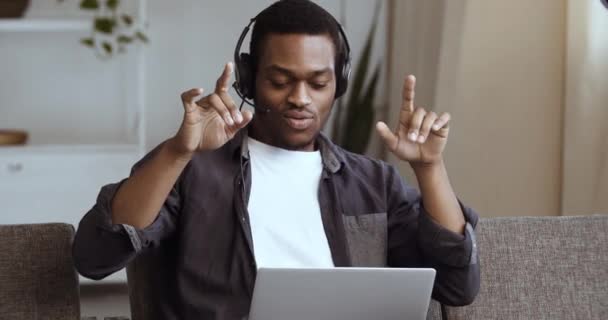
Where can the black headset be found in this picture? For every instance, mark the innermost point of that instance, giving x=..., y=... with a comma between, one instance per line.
x=244, y=84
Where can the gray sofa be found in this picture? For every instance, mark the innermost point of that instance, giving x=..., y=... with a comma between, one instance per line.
x=531, y=268
x=540, y=268
x=37, y=275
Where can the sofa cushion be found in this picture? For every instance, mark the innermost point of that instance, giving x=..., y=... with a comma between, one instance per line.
x=37, y=275
x=541, y=268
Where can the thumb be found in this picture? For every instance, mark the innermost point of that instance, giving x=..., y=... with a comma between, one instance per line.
x=390, y=139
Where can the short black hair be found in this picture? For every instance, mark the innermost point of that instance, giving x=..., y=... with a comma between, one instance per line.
x=294, y=16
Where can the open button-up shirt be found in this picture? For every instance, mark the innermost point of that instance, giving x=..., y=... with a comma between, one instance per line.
x=196, y=261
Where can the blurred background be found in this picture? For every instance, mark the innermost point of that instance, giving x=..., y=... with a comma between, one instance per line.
x=87, y=87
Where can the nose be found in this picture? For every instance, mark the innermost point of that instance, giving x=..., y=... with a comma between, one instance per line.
x=299, y=96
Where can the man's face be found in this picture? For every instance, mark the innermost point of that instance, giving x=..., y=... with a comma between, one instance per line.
x=295, y=79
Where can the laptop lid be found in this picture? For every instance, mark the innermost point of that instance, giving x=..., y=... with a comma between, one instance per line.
x=342, y=294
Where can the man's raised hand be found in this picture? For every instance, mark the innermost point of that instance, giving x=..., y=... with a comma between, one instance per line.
x=211, y=121
x=420, y=136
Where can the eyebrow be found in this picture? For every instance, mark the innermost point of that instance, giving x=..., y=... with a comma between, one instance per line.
x=314, y=73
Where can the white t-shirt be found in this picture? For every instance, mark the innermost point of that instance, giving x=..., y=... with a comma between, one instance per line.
x=284, y=208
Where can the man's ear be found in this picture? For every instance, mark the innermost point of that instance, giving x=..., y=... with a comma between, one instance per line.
x=245, y=76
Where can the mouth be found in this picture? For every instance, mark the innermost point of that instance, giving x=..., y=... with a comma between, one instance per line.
x=298, y=121
x=299, y=124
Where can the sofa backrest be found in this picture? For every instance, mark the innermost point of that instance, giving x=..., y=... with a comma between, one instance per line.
x=531, y=268
x=37, y=275
x=541, y=268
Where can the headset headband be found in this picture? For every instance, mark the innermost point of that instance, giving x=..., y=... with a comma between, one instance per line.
x=243, y=80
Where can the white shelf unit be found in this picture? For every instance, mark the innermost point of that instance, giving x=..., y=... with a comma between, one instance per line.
x=44, y=25
x=59, y=181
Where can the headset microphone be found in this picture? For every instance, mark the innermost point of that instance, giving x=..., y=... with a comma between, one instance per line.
x=244, y=100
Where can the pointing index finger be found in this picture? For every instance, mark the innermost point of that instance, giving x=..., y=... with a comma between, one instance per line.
x=223, y=82
x=409, y=93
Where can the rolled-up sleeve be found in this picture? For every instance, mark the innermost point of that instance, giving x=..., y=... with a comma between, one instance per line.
x=416, y=240
x=445, y=246
x=101, y=248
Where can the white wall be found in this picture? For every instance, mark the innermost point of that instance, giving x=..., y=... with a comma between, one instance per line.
x=501, y=78
x=60, y=92
x=586, y=110
x=504, y=156
x=56, y=89
x=188, y=50
x=416, y=33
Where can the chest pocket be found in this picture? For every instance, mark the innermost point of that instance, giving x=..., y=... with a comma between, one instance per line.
x=366, y=236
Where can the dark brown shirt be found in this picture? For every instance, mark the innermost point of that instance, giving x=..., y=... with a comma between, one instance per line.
x=203, y=249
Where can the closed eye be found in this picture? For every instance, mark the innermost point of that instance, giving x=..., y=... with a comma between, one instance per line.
x=318, y=85
x=279, y=84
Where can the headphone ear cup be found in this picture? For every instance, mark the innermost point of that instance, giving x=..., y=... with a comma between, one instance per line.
x=343, y=78
x=245, y=76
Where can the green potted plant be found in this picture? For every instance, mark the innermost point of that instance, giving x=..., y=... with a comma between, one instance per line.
x=353, y=122
x=112, y=29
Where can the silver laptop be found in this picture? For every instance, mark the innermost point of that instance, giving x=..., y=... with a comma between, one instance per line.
x=342, y=294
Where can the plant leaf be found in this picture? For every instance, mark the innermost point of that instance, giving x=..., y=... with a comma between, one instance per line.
x=358, y=82
x=89, y=4
x=112, y=4
x=127, y=19
x=337, y=121
x=87, y=42
x=360, y=127
x=107, y=47
x=124, y=39
x=141, y=36
x=361, y=68
x=105, y=24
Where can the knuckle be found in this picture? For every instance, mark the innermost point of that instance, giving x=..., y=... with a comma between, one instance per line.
x=215, y=104
x=228, y=101
x=214, y=98
x=233, y=106
x=416, y=120
x=202, y=102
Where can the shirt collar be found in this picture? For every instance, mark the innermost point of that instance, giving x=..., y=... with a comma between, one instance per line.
x=331, y=155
